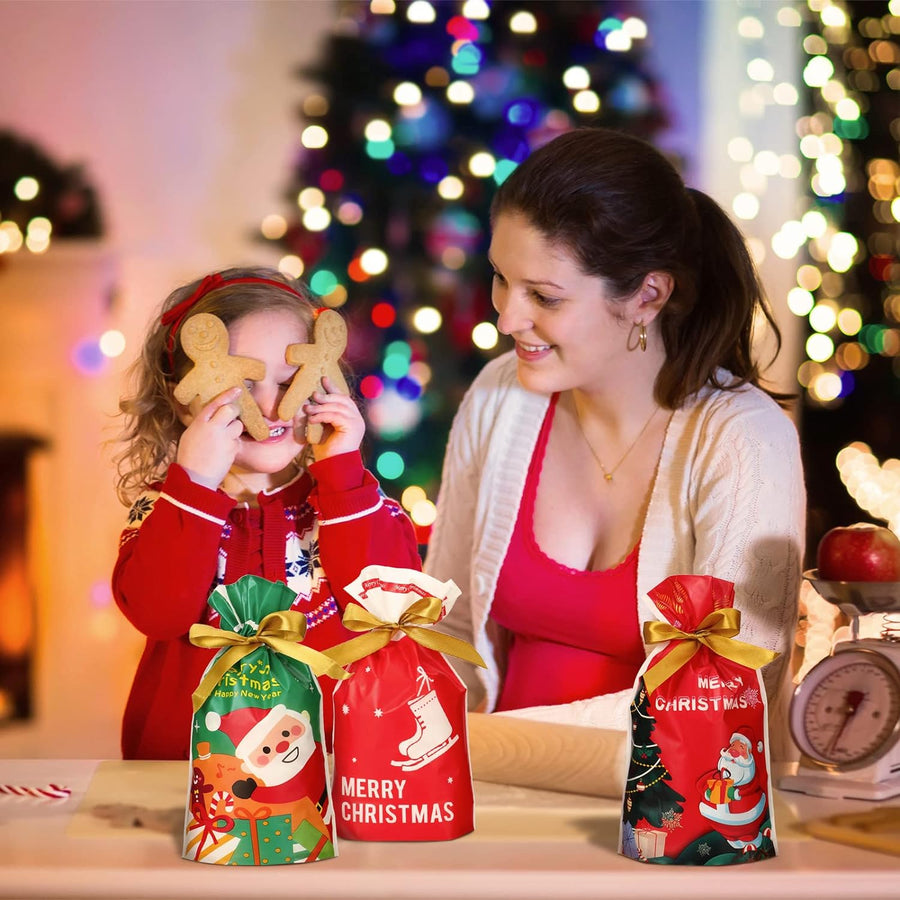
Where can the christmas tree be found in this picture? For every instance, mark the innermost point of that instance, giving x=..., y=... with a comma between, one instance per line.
x=420, y=110
x=648, y=795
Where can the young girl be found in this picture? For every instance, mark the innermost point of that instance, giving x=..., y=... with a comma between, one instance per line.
x=209, y=503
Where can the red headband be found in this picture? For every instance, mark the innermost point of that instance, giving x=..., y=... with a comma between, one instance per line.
x=175, y=316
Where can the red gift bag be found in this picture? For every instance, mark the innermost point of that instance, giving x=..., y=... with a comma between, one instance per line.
x=401, y=752
x=698, y=790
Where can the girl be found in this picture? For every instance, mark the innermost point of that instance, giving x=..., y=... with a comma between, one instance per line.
x=209, y=503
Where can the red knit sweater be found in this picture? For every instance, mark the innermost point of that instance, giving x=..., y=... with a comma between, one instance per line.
x=183, y=539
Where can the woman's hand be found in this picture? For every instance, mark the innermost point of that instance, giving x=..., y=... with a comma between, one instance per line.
x=210, y=442
x=345, y=425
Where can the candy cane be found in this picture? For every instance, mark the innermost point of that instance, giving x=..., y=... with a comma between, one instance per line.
x=221, y=798
x=215, y=821
x=50, y=792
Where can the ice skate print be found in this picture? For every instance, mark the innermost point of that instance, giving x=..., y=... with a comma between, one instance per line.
x=434, y=734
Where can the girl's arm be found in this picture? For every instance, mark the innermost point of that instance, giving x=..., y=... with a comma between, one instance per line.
x=168, y=554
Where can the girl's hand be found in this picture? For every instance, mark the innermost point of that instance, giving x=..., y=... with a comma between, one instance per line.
x=210, y=442
x=344, y=423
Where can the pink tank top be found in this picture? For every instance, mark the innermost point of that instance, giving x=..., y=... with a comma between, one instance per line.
x=573, y=634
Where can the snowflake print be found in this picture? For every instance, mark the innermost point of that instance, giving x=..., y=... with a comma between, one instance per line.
x=368, y=668
x=704, y=850
x=450, y=780
x=378, y=713
x=345, y=709
x=139, y=509
x=353, y=759
x=751, y=695
x=671, y=820
x=305, y=562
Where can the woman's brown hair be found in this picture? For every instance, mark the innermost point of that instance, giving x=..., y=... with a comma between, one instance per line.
x=621, y=208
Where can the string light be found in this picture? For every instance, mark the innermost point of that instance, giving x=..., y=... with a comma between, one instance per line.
x=273, y=227
x=485, y=335
x=291, y=265
x=874, y=486
x=390, y=465
x=316, y=219
x=421, y=12
x=314, y=137
x=427, y=320
x=523, y=22
x=26, y=188
x=374, y=261
x=423, y=512
x=412, y=495
x=112, y=343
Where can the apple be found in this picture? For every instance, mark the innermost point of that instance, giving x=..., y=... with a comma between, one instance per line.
x=860, y=552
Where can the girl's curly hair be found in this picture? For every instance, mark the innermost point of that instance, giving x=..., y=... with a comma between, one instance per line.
x=151, y=427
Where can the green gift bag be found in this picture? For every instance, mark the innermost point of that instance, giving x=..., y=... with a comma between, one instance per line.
x=259, y=791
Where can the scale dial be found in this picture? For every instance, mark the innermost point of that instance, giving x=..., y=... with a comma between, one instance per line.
x=846, y=712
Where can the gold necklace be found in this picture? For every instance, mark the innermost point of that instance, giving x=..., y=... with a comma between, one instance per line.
x=608, y=473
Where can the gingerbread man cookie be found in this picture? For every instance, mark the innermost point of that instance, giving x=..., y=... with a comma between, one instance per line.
x=205, y=340
x=317, y=360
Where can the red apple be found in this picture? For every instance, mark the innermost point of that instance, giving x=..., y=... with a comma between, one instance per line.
x=860, y=552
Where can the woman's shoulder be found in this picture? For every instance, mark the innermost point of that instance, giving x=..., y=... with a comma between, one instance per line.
x=744, y=410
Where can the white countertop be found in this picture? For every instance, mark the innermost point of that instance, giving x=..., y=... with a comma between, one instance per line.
x=527, y=844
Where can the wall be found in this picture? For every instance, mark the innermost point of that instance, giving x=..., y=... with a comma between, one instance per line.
x=184, y=117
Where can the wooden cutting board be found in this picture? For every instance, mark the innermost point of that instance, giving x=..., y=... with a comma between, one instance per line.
x=876, y=829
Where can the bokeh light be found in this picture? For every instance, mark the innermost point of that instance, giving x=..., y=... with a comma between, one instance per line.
x=112, y=343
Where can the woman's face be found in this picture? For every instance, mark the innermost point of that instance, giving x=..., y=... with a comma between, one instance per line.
x=569, y=334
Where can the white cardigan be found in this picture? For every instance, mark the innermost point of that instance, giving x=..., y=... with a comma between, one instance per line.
x=728, y=501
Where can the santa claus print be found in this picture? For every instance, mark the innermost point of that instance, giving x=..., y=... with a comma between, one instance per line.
x=277, y=751
x=732, y=795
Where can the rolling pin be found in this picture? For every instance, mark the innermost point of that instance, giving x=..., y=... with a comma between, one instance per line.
x=568, y=758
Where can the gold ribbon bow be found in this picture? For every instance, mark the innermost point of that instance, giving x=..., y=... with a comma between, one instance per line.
x=281, y=631
x=716, y=631
x=413, y=622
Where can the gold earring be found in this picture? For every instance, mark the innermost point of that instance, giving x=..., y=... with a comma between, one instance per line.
x=642, y=337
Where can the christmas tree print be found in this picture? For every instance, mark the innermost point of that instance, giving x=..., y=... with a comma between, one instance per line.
x=649, y=798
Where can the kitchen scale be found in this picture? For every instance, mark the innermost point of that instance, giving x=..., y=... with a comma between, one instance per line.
x=845, y=714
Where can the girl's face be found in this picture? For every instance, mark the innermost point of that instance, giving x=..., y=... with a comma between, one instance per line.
x=569, y=334
x=265, y=335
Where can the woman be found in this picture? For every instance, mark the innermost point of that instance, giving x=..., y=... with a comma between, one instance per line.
x=625, y=439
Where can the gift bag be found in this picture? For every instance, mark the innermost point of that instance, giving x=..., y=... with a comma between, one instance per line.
x=698, y=790
x=401, y=753
x=259, y=788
